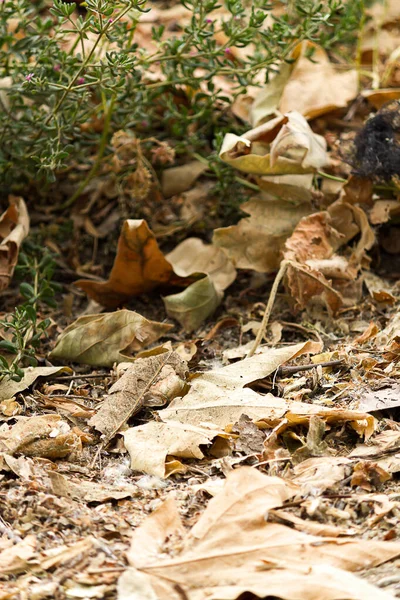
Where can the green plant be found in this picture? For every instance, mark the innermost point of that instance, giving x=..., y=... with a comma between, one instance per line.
x=24, y=328
x=71, y=80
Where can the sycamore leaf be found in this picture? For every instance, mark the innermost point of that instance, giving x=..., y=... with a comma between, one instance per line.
x=311, y=87
x=233, y=550
x=256, y=241
x=108, y=338
x=14, y=227
x=281, y=146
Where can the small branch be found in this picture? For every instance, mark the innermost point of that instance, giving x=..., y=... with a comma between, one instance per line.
x=261, y=332
x=283, y=371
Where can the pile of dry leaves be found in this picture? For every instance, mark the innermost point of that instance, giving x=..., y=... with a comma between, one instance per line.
x=240, y=438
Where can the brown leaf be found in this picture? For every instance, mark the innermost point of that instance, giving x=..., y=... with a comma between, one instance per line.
x=46, y=436
x=14, y=227
x=256, y=241
x=315, y=272
x=128, y=395
x=107, y=338
x=139, y=267
x=311, y=87
x=89, y=491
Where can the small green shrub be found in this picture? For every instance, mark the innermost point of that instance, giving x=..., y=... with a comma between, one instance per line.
x=55, y=88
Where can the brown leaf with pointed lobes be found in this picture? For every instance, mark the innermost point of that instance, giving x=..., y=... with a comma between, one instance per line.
x=14, y=227
x=139, y=267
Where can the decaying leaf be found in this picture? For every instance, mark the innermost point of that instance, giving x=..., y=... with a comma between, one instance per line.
x=194, y=304
x=146, y=378
x=168, y=441
x=177, y=180
x=107, y=338
x=14, y=227
x=311, y=87
x=316, y=273
x=140, y=267
x=281, y=146
x=200, y=299
x=47, y=436
x=89, y=491
x=256, y=241
x=15, y=559
x=233, y=550
x=9, y=388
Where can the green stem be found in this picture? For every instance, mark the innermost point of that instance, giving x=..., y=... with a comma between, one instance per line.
x=97, y=162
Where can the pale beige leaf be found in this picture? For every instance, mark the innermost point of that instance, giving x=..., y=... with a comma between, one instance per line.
x=320, y=473
x=311, y=87
x=239, y=374
x=9, y=388
x=281, y=146
x=179, y=179
x=194, y=256
x=317, y=87
x=232, y=550
x=47, y=436
x=220, y=407
x=89, y=491
x=107, y=338
x=15, y=559
x=256, y=241
x=166, y=439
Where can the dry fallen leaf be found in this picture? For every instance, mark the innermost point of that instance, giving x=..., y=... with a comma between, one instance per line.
x=107, y=338
x=200, y=299
x=89, y=491
x=256, y=241
x=216, y=402
x=311, y=87
x=9, y=388
x=233, y=550
x=140, y=267
x=146, y=378
x=14, y=227
x=194, y=304
x=47, y=436
x=15, y=559
x=281, y=146
x=316, y=274
x=177, y=180
x=167, y=441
